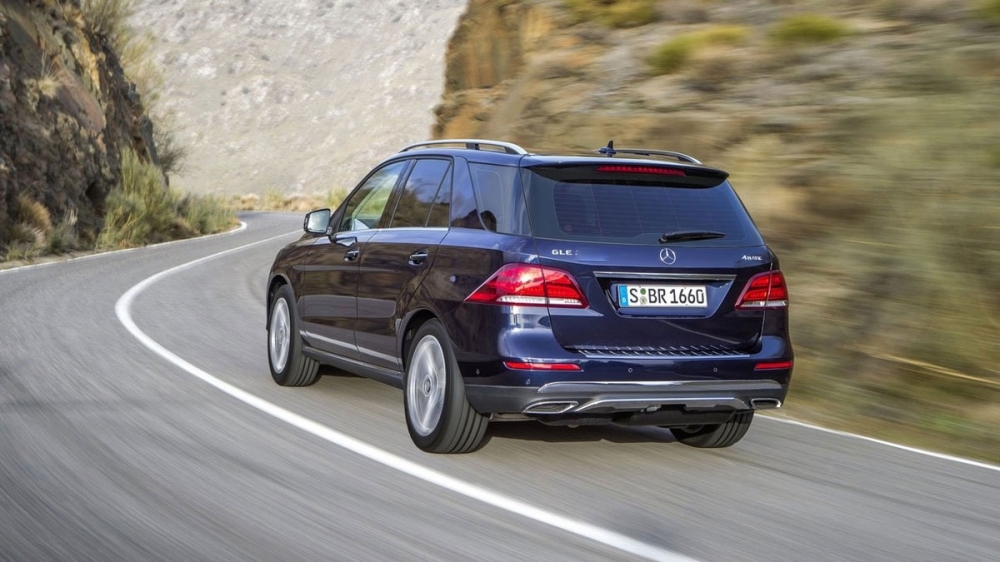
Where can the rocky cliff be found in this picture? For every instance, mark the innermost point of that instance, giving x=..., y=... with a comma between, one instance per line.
x=66, y=112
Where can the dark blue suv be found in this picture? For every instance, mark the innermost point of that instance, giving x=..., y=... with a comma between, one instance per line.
x=491, y=284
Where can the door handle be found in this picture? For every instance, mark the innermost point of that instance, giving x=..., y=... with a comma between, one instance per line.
x=352, y=255
x=418, y=257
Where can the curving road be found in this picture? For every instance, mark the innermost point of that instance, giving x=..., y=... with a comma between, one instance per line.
x=138, y=421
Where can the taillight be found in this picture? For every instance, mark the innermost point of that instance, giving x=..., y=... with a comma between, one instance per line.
x=773, y=366
x=766, y=290
x=621, y=169
x=522, y=284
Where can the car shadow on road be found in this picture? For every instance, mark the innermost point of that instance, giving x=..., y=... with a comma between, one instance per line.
x=535, y=431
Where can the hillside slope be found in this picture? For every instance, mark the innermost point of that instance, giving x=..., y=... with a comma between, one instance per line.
x=864, y=138
x=66, y=113
x=299, y=95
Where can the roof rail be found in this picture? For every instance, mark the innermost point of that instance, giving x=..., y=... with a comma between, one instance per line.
x=610, y=151
x=470, y=144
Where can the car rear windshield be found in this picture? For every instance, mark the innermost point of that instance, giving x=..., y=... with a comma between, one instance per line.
x=590, y=203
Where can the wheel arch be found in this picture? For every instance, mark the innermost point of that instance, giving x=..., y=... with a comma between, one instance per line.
x=273, y=285
x=410, y=324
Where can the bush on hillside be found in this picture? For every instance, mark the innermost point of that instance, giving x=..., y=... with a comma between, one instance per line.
x=143, y=211
x=615, y=13
x=809, y=28
x=673, y=55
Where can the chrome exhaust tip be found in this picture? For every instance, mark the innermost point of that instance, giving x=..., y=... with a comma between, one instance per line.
x=765, y=403
x=550, y=408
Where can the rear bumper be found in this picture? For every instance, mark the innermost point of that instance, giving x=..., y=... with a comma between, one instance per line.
x=619, y=399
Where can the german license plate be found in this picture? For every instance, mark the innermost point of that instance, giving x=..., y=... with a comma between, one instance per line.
x=674, y=296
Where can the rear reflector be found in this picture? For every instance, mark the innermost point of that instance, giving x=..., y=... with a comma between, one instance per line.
x=522, y=284
x=619, y=169
x=521, y=366
x=773, y=366
x=766, y=290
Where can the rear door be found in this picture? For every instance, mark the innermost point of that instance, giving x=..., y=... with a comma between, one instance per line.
x=661, y=253
x=397, y=258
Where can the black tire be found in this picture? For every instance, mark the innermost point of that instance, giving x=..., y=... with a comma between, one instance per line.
x=452, y=425
x=296, y=369
x=716, y=435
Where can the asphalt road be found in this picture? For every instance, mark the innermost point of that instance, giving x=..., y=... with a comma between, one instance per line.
x=110, y=451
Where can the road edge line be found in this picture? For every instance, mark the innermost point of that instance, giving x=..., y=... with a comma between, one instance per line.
x=940, y=456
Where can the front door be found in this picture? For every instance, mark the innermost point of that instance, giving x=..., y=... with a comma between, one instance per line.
x=329, y=302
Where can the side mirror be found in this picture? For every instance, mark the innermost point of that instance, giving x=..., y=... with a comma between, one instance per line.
x=317, y=222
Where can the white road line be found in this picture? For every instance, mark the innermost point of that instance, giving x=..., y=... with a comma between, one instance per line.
x=586, y=530
x=941, y=456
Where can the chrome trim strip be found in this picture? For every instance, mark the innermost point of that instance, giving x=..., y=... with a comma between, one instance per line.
x=641, y=403
x=337, y=343
x=665, y=276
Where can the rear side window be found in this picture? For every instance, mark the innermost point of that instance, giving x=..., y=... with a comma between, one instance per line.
x=420, y=193
x=500, y=199
x=633, y=208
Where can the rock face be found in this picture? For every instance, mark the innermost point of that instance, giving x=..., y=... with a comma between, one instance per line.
x=66, y=112
x=302, y=95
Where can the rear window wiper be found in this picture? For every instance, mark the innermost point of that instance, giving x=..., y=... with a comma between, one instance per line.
x=685, y=235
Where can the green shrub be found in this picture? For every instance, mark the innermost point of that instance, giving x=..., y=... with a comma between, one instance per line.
x=141, y=210
x=809, y=28
x=615, y=13
x=207, y=214
x=672, y=55
x=675, y=53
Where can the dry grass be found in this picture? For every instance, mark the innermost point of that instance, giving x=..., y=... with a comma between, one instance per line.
x=109, y=19
x=33, y=214
x=48, y=85
x=277, y=200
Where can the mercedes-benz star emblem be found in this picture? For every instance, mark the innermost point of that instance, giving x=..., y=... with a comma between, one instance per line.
x=668, y=256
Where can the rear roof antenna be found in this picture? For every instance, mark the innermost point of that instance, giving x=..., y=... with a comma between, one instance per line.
x=609, y=150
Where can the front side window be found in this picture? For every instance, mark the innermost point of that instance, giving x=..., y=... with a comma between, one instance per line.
x=368, y=203
x=420, y=193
